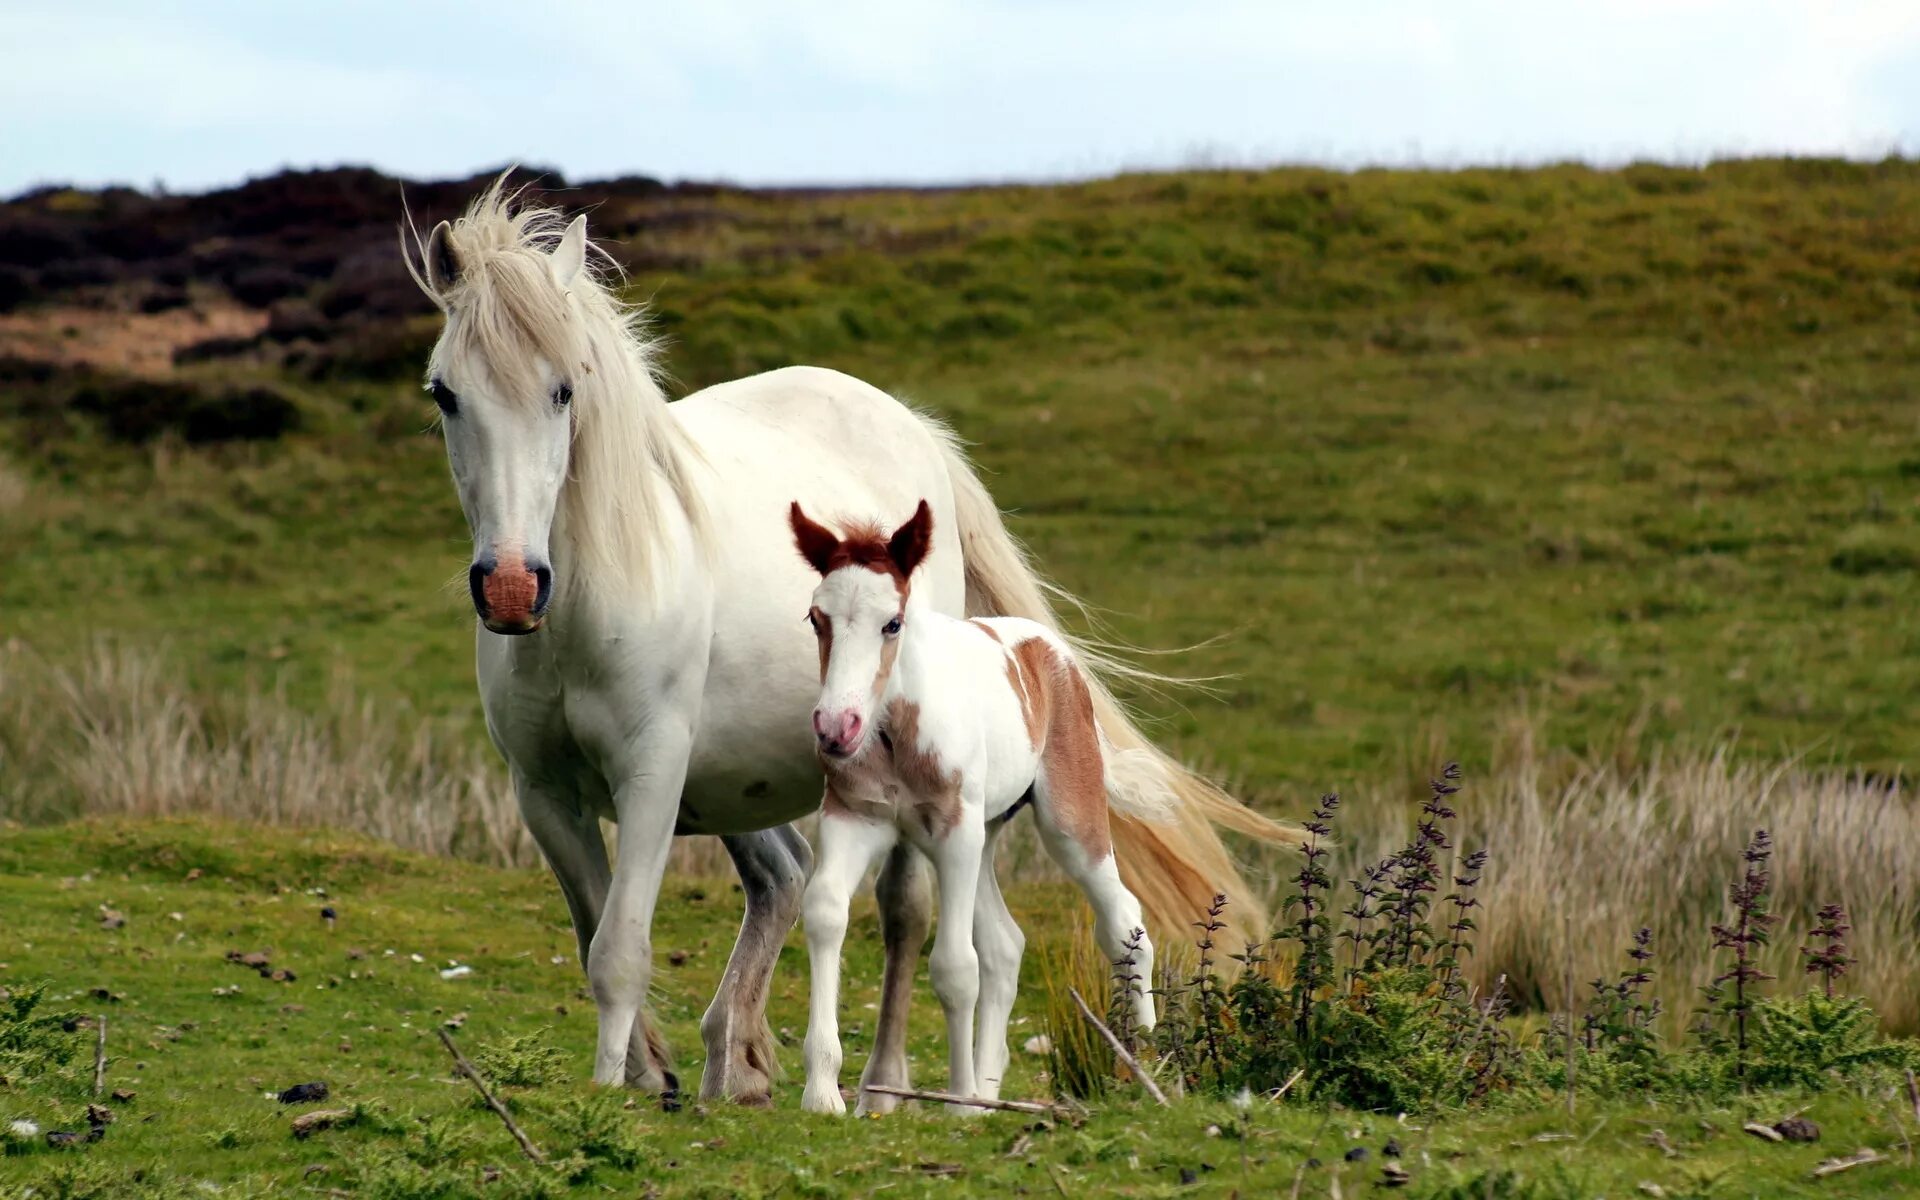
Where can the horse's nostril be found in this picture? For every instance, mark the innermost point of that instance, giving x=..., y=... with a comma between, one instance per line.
x=543, y=589
x=477, y=584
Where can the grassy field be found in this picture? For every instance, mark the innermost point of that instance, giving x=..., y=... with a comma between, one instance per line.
x=1630, y=450
x=200, y=1042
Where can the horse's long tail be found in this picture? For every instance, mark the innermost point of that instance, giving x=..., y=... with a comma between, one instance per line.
x=1163, y=815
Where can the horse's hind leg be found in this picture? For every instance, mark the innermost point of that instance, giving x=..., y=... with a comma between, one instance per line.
x=773, y=866
x=1000, y=944
x=906, y=914
x=1070, y=807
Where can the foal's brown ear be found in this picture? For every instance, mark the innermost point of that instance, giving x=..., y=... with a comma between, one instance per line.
x=817, y=543
x=910, y=543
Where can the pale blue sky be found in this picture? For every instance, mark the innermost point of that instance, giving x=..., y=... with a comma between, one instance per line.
x=201, y=94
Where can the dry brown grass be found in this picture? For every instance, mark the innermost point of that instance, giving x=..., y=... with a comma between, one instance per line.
x=1600, y=845
x=1604, y=846
x=13, y=491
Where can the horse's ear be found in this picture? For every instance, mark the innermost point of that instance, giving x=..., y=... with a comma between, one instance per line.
x=570, y=256
x=910, y=543
x=442, y=269
x=817, y=543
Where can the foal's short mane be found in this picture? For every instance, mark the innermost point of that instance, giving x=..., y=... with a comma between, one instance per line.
x=505, y=311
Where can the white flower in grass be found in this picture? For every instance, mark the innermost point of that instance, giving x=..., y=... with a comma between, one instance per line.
x=24, y=1130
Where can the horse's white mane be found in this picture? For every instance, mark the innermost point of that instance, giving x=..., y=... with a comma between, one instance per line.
x=505, y=311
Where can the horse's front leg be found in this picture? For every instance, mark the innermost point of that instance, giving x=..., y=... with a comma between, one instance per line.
x=620, y=962
x=773, y=866
x=848, y=845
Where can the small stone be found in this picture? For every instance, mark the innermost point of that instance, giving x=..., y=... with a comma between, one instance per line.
x=1312, y=1164
x=309, y=1123
x=304, y=1093
x=1394, y=1175
x=677, y=958
x=1391, y=1149
x=1189, y=1175
x=122, y=1096
x=1798, y=1129
x=1358, y=1154
x=59, y=1138
x=110, y=919
x=1039, y=1045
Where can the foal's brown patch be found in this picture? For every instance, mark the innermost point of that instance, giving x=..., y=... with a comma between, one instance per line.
x=823, y=633
x=935, y=789
x=1058, y=707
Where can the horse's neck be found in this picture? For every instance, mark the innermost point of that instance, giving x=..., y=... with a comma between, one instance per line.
x=630, y=510
x=921, y=665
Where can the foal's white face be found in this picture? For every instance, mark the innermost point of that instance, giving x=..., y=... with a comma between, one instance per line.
x=858, y=613
x=509, y=451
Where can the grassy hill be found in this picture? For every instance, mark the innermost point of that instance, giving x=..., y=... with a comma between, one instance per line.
x=1630, y=452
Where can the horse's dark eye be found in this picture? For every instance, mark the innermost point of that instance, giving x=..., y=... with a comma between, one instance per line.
x=444, y=397
x=562, y=396
x=891, y=627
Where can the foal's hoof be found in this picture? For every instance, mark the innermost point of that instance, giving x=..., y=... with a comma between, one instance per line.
x=876, y=1104
x=825, y=1100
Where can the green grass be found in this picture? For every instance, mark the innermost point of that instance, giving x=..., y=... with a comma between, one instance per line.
x=1631, y=449
x=200, y=1063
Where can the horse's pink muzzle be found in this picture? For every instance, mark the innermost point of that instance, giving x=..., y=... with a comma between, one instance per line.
x=509, y=594
x=838, y=733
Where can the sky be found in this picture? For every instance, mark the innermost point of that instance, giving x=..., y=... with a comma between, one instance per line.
x=192, y=95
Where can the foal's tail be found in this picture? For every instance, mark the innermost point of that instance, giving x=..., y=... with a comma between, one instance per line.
x=1164, y=816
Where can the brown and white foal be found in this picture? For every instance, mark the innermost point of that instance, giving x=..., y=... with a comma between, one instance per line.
x=937, y=729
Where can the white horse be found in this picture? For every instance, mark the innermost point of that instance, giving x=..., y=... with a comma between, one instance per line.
x=645, y=547
x=937, y=729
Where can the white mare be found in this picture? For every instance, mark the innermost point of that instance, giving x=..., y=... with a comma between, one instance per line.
x=937, y=730
x=642, y=650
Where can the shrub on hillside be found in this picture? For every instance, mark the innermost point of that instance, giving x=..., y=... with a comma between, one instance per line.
x=140, y=410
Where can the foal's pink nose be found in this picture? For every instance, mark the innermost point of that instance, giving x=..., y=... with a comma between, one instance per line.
x=838, y=732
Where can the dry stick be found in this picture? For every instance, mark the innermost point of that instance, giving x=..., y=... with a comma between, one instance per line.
x=1019, y=1106
x=1566, y=933
x=1119, y=1051
x=500, y=1110
x=100, y=1056
x=1913, y=1093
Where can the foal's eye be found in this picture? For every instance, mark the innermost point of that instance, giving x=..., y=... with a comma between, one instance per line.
x=444, y=397
x=891, y=628
x=813, y=619
x=562, y=396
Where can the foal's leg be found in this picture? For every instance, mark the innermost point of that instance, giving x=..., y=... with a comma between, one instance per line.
x=955, y=966
x=773, y=868
x=1072, y=817
x=906, y=916
x=1000, y=944
x=848, y=845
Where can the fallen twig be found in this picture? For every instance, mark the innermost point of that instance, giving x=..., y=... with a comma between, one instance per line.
x=1019, y=1106
x=500, y=1110
x=1913, y=1093
x=100, y=1055
x=1765, y=1133
x=1119, y=1051
x=1859, y=1158
x=1286, y=1087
